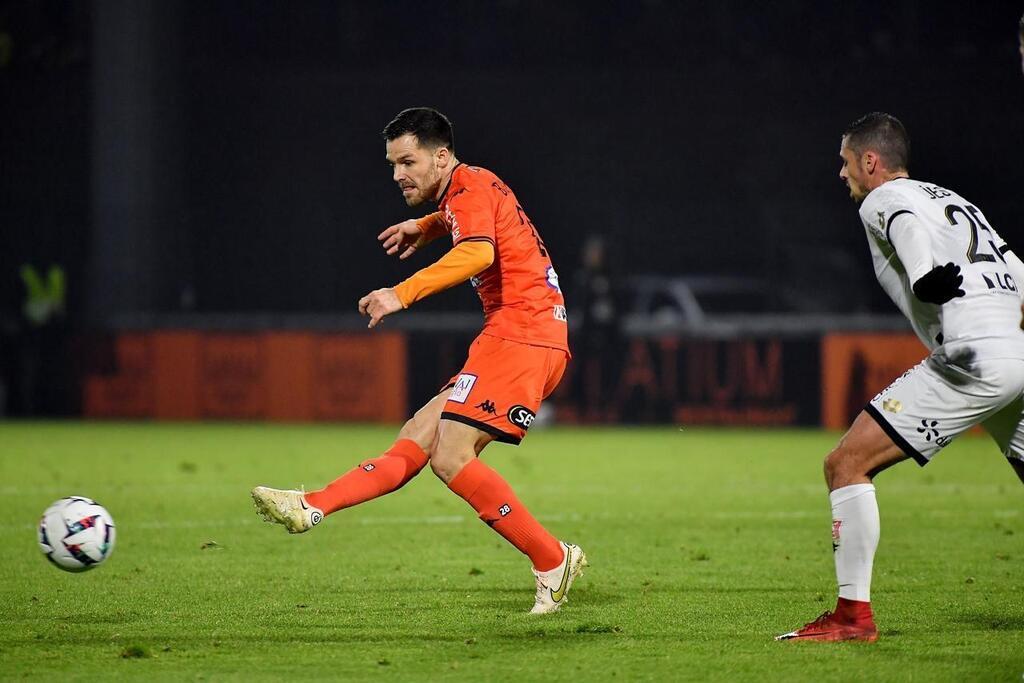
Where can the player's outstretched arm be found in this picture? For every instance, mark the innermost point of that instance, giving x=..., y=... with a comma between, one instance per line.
x=464, y=261
x=458, y=265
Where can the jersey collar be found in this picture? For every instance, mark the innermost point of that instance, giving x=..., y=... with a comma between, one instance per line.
x=449, y=183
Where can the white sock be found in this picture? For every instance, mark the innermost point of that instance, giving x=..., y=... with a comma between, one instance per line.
x=855, y=531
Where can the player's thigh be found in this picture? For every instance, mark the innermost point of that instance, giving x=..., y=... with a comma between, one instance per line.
x=501, y=387
x=935, y=401
x=422, y=426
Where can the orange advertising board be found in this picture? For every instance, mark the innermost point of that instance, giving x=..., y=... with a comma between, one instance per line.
x=855, y=367
x=294, y=376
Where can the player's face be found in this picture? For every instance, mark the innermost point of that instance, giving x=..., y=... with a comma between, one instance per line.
x=417, y=169
x=853, y=173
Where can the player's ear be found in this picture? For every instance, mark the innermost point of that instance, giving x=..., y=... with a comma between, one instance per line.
x=442, y=157
x=869, y=160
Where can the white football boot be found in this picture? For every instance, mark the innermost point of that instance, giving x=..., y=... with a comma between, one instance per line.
x=286, y=507
x=553, y=585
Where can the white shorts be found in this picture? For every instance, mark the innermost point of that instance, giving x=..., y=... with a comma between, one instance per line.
x=935, y=401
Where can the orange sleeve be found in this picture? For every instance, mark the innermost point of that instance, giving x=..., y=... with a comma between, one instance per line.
x=458, y=265
x=432, y=226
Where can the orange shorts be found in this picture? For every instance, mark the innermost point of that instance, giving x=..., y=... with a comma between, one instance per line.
x=501, y=386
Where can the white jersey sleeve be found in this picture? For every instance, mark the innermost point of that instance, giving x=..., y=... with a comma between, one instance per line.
x=909, y=236
x=912, y=227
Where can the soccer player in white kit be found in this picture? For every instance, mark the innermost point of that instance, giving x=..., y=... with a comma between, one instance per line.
x=948, y=271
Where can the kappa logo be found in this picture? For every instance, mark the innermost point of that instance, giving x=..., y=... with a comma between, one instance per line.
x=463, y=385
x=521, y=416
x=487, y=406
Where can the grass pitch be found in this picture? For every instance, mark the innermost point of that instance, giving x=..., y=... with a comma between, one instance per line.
x=703, y=544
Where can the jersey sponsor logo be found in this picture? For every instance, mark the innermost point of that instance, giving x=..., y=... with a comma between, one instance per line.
x=1001, y=282
x=521, y=416
x=463, y=385
x=560, y=313
x=552, y=278
x=449, y=218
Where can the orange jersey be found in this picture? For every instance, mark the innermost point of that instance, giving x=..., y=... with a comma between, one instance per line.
x=520, y=293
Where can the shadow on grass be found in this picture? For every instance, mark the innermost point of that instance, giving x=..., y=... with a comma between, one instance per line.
x=989, y=621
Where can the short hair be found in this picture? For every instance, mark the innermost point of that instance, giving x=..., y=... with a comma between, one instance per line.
x=883, y=134
x=431, y=127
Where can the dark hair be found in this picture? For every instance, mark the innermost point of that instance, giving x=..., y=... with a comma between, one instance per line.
x=882, y=134
x=431, y=127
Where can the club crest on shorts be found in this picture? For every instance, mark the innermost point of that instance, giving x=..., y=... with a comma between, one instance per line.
x=892, y=405
x=463, y=385
x=521, y=416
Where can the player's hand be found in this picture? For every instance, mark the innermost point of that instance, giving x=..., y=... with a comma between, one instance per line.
x=940, y=284
x=401, y=238
x=379, y=303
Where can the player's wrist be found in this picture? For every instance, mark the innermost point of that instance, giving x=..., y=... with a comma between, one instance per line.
x=403, y=293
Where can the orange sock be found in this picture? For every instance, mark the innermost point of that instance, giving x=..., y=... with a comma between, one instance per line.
x=497, y=505
x=372, y=478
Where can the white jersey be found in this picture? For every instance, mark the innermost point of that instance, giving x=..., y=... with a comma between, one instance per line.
x=913, y=226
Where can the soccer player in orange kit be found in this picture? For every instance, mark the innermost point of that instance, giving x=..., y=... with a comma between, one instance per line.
x=515, y=362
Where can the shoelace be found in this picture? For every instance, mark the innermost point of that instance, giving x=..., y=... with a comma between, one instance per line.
x=540, y=590
x=820, y=620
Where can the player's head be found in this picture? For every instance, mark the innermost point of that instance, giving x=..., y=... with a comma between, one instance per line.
x=421, y=150
x=875, y=148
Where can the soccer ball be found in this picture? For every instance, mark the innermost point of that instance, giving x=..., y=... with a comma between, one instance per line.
x=76, y=534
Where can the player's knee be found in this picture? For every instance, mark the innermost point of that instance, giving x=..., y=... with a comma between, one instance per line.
x=836, y=463
x=447, y=463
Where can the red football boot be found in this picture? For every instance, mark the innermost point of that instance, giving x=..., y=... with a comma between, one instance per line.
x=852, y=620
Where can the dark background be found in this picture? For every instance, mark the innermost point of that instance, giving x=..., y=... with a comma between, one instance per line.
x=226, y=156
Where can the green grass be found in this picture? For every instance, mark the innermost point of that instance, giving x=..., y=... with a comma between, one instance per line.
x=703, y=544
